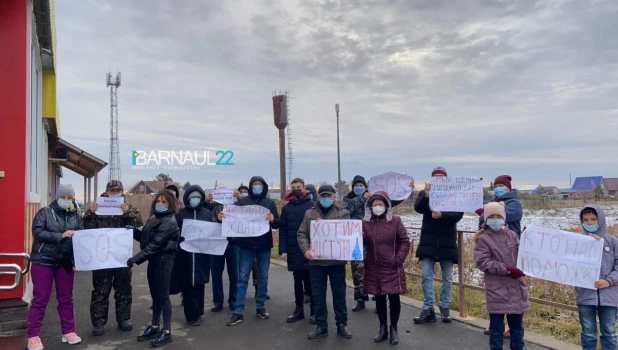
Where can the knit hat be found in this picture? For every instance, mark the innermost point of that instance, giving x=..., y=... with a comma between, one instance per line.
x=359, y=180
x=326, y=189
x=493, y=208
x=503, y=180
x=114, y=185
x=438, y=171
x=170, y=185
x=65, y=190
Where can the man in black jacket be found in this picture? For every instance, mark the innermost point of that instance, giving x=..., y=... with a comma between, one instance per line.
x=438, y=244
x=251, y=248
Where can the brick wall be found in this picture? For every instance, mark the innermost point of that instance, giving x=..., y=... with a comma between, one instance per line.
x=13, y=314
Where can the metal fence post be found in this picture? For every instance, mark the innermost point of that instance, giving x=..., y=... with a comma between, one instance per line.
x=460, y=267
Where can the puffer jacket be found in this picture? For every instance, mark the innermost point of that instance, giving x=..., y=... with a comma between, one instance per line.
x=131, y=218
x=49, y=248
x=335, y=212
x=514, y=212
x=160, y=235
x=493, y=252
x=609, y=268
x=292, y=215
x=387, y=244
x=265, y=241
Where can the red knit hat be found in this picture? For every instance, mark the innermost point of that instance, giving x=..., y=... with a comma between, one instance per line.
x=503, y=180
x=438, y=171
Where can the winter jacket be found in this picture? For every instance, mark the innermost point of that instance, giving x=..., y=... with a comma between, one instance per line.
x=336, y=212
x=292, y=215
x=160, y=235
x=191, y=269
x=609, y=268
x=514, y=212
x=265, y=241
x=438, y=236
x=356, y=205
x=387, y=244
x=493, y=252
x=131, y=218
x=49, y=248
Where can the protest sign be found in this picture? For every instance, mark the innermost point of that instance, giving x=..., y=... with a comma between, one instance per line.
x=202, y=237
x=223, y=196
x=559, y=256
x=245, y=221
x=396, y=185
x=456, y=193
x=337, y=239
x=109, y=205
x=102, y=248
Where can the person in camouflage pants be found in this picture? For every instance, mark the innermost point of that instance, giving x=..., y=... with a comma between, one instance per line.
x=118, y=278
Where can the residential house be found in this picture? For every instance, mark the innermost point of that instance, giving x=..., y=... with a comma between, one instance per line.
x=551, y=192
x=146, y=187
x=583, y=186
x=612, y=186
x=526, y=190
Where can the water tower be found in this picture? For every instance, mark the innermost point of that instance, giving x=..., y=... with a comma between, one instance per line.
x=280, y=112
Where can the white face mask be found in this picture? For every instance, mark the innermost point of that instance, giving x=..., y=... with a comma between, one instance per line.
x=378, y=210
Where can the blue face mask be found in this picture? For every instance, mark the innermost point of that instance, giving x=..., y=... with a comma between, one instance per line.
x=359, y=190
x=495, y=224
x=326, y=202
x=591, y=228
x=244, y=194
x=257, y=190
x=160, y=208
x=115, y=195
x=195, y=202
x=500, y=191
x=64, y=204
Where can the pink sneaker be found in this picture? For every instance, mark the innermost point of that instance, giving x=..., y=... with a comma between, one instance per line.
x=34, y=343
x=71, y=338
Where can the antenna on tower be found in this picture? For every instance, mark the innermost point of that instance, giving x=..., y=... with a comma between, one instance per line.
x=114, y=148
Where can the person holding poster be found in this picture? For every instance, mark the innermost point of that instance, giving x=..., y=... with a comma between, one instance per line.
x=495, y=254
x=158, y=243
x=385, y=239
x=320, y=271
x=52, y=262
x=254, y=248
x=292, y=215
x=438, y=243
x=192, y=270
x=118, y=278
x=604, y=300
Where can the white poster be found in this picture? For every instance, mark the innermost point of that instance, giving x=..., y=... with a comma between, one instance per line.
x=245, y=221
x=396, y=185
x=456, y=193
x=202, y=237
x=102, y=248
x=337, y=239
x=109, y=205
x=559, y=256
x=223, y=196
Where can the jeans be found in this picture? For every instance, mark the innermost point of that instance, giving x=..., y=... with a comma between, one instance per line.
x=301, y=278
x=42, y=278
x=102, y=283
x=319, y=277
x=447, y=282
x=395, y=305
x=159, y=273
x=496, y=330
x=607, y=322
x=245, y=263
x=218, y=263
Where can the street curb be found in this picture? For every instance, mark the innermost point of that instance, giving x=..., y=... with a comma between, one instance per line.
x=531, y=337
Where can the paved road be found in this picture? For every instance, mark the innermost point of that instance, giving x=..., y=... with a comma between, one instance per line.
x=253, y=333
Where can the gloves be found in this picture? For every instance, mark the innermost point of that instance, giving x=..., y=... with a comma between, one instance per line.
x=129, y=227
x=181, y=239
x=130, y=262
x=515, y=272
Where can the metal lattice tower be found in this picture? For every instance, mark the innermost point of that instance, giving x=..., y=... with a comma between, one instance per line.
x=289, y=131
x=114, y=147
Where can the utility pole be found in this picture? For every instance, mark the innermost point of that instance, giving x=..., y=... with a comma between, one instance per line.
x=338, y=157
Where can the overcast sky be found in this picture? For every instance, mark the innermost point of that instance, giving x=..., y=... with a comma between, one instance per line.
x=480, y=87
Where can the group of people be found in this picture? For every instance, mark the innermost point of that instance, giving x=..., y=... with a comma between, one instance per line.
x=380, y=274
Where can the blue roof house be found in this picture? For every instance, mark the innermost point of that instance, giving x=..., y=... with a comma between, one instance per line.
x=586, y=184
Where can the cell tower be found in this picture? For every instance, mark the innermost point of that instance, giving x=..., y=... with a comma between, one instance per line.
x=114, y=147
x=289, y=135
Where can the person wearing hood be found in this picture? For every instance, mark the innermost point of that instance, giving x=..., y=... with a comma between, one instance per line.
x=158, y=245
x=506, y=294
x=192, y=270
x=172, y=187
x=387, y=244
x=313, y=192
x=254, y=248
x=503, y=192
x=601, y=302
x=118, y=278
x=292, y=215
x=52, y=262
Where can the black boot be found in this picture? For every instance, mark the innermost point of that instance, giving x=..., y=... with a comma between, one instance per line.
x=445, y=314
x=426, y=316
x=382, y=334
x=360, y=304
x=98, y=330
x=125, y=325
x=342, y=331
x=163, y=338
x=394, y=336
x=299, y=314
x=149, y=333
x=317, y=333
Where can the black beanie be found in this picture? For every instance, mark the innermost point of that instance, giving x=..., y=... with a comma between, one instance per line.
x=359, y=180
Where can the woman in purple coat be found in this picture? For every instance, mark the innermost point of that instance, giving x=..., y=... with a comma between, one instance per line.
x=387, y=245
x=495, y=253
